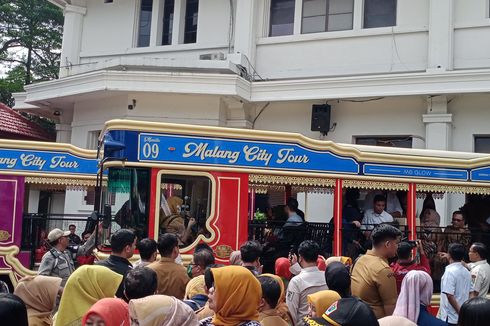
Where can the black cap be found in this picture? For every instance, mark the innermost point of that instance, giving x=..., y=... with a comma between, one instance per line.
x=346, y=312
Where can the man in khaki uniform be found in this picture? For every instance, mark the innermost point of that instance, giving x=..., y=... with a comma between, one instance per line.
x=372, y=278
x=172, y=277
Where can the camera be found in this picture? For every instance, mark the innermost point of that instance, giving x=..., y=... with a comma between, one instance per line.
x=412, y=243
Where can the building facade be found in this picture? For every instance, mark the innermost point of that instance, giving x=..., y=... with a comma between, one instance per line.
x=411, y=73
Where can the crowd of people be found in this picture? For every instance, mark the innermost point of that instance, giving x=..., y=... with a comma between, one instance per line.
x=305, y=288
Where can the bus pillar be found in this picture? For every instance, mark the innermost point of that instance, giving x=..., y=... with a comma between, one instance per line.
x=411, y=211
x=337, y=216
x=251, y=200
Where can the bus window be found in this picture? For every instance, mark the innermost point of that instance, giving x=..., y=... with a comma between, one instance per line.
x=130, y=188
x=185, y=205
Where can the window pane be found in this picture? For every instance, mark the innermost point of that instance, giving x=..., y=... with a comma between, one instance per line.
x=403, y=142
x=168, y=20
x=340, y=22
x=313, y=24
x=482, y=144
x=281, y=17
x=183, y=198
x=191, y=15
x=379, y=13
x=314, y=8
x=340, y=6
x=130, y=187
x=144, y=27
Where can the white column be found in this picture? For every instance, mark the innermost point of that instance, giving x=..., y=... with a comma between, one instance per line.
x=298, y=16
x=441, y=35
x=72, y=37
x=156, y=23
x=63, y=133
x=246, y=28
x=179, y=22
x=438, y=127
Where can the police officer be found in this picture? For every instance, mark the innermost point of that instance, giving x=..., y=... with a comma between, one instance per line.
x=58, y=260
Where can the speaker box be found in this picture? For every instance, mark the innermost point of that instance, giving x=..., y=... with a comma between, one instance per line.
x=320, y=117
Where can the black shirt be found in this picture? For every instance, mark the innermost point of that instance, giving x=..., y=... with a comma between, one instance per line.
x=119, y=265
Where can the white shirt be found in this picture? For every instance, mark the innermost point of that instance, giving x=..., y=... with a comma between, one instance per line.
x=371, y=219
x=309, y=280
x=456, y=281
x=480, y=277
x=392, y=202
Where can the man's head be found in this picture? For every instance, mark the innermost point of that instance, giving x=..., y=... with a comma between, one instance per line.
x=59, y=239
x=337, y=277
x=478, y=252
x=72, y=228
x=404, y=251
x=308, y=252
x=168, y=245
x=458, y=220
x=86, y=235
x=385, y=240
x=271, y=292
x=250, y=252
x=148, y=250
x=200, y=261
x=379, y=204
x=139, y=283
x=456, y=252
x=291, y=206
x=123, y=243
x=202, y=246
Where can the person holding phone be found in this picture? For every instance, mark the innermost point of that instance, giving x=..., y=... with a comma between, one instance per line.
x=407, y=263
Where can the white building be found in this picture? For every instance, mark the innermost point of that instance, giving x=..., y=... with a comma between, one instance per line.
x=410, y=72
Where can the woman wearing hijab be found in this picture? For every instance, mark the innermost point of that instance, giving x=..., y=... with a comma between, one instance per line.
x=195, y=293
x=281, y=307
x=234, y=295
x=414, y=298
x=107, y=312
x=338, y=278
x=319, y=302
x=87, y=285
x=161, y=310
x=282, y=270
x=395, y=321
x=174, y=222
x=39, y=294
x=12, y=310
x=347, y=261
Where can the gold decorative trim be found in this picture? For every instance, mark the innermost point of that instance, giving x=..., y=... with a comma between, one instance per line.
x=366, y=184
x=4, y=235
x=263, y=189
x=48, y=146
x=290, y=180
x=454, y=189
x=16, y=270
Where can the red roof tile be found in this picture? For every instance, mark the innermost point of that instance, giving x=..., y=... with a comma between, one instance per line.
x=14, y=126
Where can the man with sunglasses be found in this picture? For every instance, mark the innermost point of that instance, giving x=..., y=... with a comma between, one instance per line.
x=372, y=278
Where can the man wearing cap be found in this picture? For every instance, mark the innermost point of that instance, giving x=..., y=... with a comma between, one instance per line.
x=346, y=312
x=372, y=278
x=58, y=261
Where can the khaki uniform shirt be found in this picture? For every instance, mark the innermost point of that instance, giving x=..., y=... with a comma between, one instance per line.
x=480, y=277
x=172, y=277
x=373, y=282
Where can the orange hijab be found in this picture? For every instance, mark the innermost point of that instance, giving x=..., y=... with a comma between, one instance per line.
x=237, y=295
x=113, y=311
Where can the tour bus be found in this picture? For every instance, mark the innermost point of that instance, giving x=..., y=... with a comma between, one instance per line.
x=28, y=171
x=209, y=185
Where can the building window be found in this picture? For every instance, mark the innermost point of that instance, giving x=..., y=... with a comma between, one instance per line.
x=482, y=144
x=144, y=27
x=379, y=13
x=398, y=141
x=93, y=139
x=168, y=21
x=191, y=13
x=281, y=17
x=327, y=15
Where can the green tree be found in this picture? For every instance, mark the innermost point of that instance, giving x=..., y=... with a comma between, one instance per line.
x=14, y=82
x=30, y=36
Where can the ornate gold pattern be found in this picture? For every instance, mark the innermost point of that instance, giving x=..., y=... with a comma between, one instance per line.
x=454, y=188
x=367, y=184
x=223, y=251
x=291, y=180
x=4, y=235
x=62, y=181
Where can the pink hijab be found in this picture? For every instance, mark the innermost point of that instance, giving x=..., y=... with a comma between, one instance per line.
x=416, y=289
